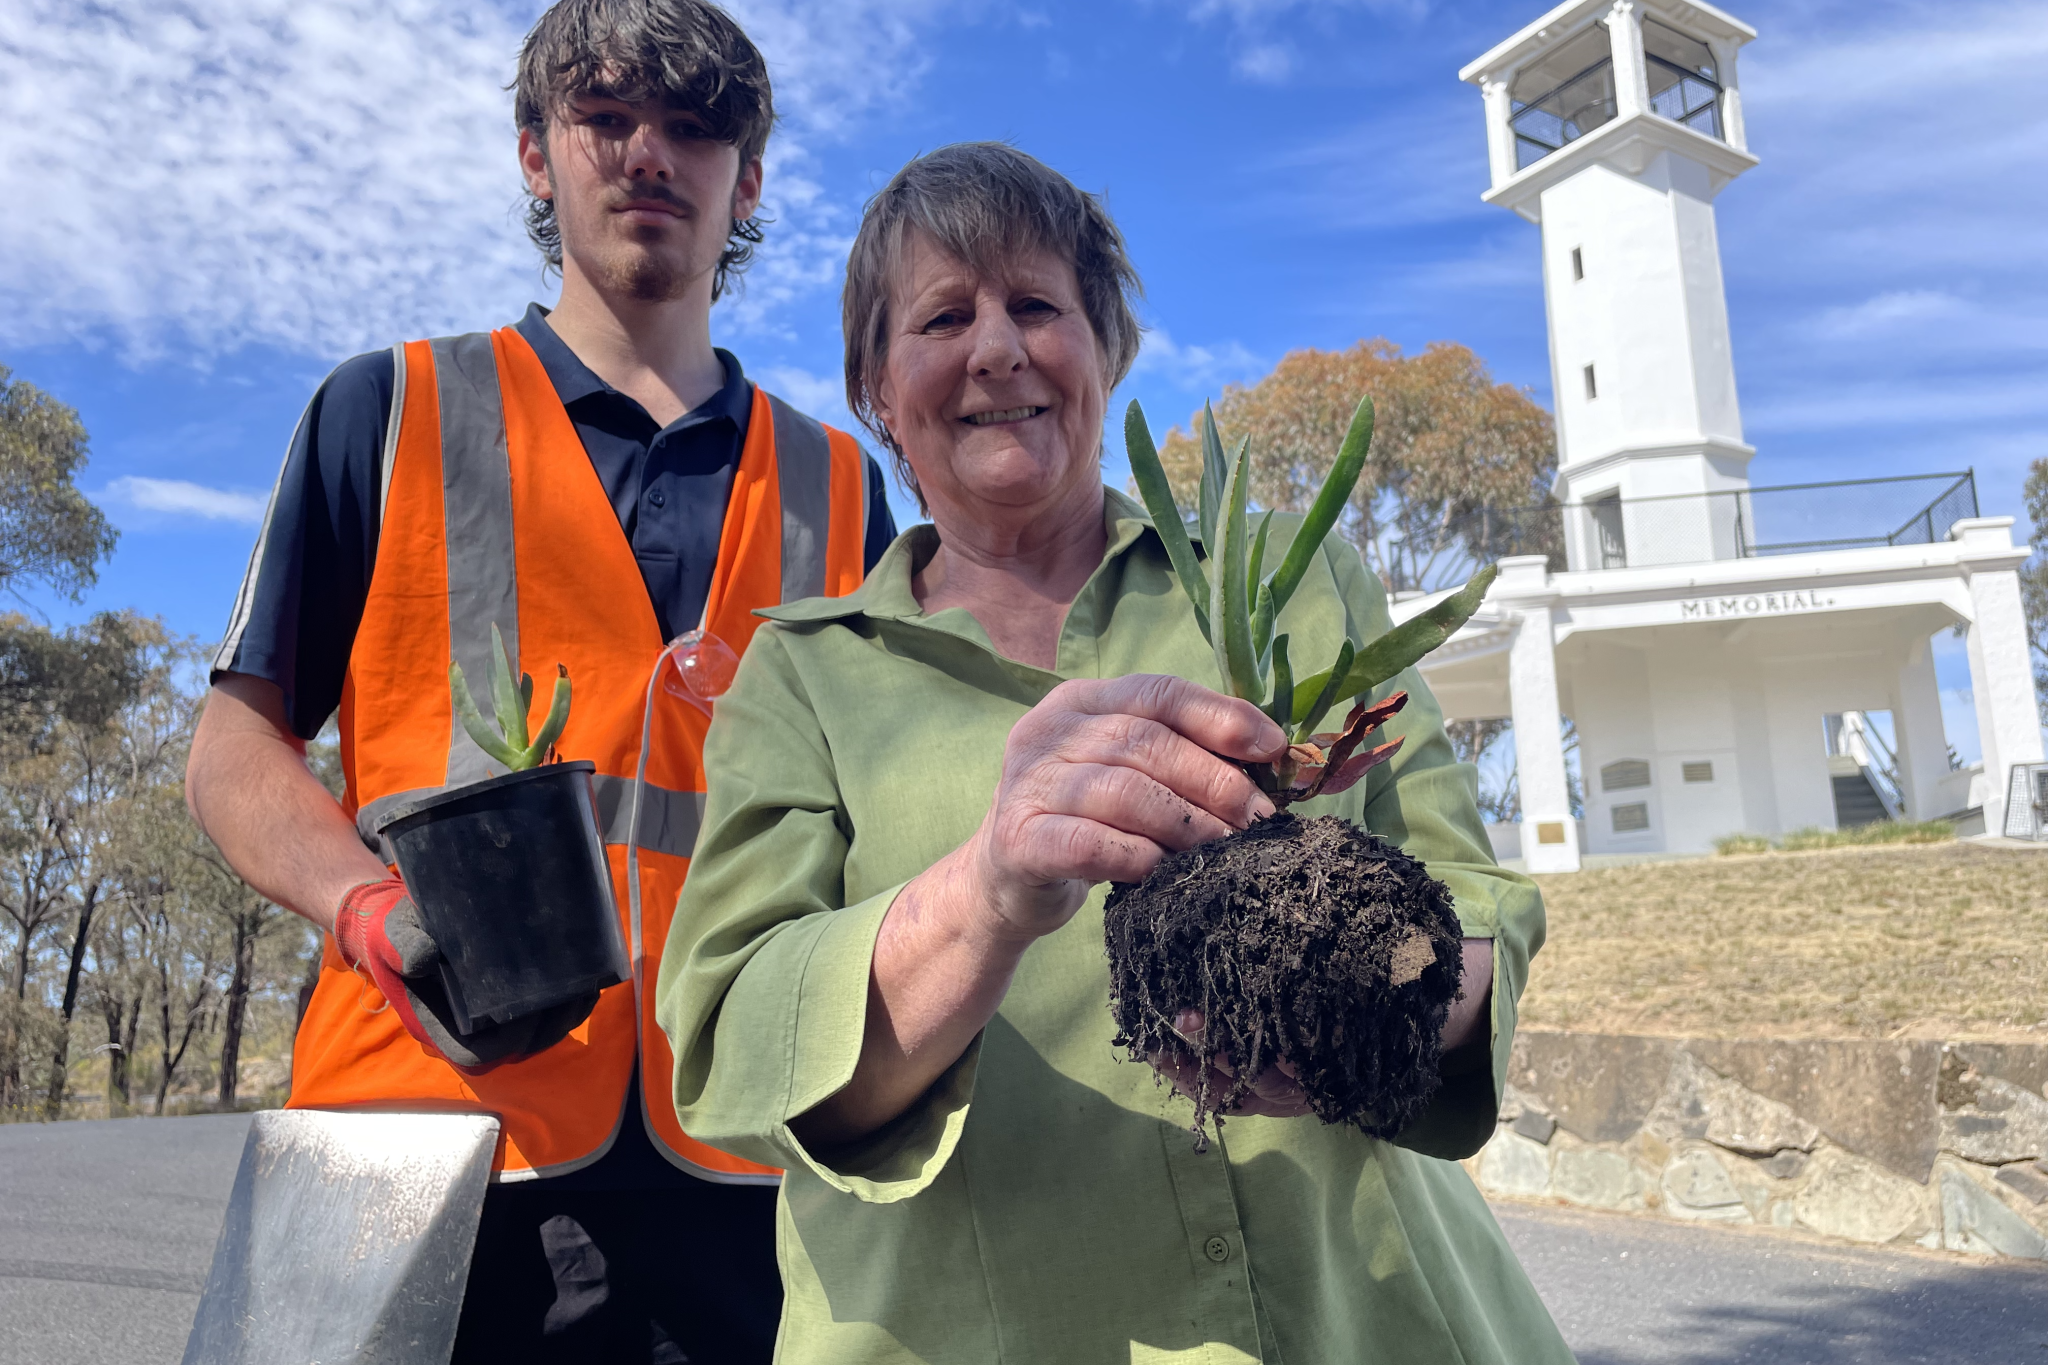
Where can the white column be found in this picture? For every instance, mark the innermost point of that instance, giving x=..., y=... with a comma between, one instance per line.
x=1631, y=76
x=1923, y=745
x=1550, y=837
x=1731, y=98
x=2001, y=668
x=1500, y=135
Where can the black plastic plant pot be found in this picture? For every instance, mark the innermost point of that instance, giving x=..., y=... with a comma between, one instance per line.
x=511, y=880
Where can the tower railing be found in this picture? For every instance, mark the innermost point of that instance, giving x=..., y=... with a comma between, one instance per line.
x=1747, y=523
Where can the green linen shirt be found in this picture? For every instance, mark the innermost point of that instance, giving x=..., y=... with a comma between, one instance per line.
x=1044, y=1201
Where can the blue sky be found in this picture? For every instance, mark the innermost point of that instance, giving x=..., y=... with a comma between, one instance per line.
x=211, y=204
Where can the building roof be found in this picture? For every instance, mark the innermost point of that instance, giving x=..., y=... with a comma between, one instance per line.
x=1701, y=18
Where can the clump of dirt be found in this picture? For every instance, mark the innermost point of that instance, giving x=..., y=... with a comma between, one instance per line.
x=1311, y=942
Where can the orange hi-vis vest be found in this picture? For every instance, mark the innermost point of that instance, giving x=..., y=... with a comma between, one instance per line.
x=492, y=512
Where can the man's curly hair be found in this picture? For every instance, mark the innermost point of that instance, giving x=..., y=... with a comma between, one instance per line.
x=686, y=52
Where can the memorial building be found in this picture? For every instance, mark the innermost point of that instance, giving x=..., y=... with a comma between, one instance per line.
x=1726, y=649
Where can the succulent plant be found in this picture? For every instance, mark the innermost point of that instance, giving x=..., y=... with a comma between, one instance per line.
x=508, y=743
x=1237, y=603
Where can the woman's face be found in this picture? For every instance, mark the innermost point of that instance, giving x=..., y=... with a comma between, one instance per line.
x=994, y=385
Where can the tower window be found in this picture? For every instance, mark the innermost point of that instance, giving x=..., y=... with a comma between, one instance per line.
x=1578, y=265
x=1683, y=84
x=1563, y=95
x=1592, y=388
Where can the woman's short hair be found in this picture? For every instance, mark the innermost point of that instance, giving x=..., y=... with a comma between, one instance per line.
x=687, y=53
x=984, y=203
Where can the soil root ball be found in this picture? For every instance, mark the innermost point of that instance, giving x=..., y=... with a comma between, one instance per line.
x=1307, y=941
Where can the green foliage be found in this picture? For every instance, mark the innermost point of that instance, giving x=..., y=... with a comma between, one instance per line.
x=49, y=532
x=1456, y=458
x=512, y=703
x=1237, y=610
x=1856, y=836
x=84, y=675
x=138, y=966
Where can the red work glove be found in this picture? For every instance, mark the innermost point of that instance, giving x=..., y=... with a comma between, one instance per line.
x=377, y=928
x=364, y=925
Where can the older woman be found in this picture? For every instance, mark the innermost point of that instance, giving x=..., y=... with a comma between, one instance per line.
x=887, y=971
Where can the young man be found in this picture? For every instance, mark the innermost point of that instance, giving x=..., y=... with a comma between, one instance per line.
x=596, y=481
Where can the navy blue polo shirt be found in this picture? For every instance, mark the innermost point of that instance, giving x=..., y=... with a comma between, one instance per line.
x=295, y=620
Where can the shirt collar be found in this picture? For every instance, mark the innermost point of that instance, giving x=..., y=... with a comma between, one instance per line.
x=886, y=593
x=574, y=380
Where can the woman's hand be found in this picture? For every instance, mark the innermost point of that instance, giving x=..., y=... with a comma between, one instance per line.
x=1101, y=780
x=1276, y=1092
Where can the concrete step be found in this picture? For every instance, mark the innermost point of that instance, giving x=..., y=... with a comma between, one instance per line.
x=1856, y=801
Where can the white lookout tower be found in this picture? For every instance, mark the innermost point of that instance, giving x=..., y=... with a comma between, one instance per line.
x=1613, y=126
x=1736, y=657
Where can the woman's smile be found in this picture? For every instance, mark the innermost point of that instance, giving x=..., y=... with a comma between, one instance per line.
x=1007, y=415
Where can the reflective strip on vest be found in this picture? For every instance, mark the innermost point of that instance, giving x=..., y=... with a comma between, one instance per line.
x=476, y=500
x=803, y=461
x=669, y=820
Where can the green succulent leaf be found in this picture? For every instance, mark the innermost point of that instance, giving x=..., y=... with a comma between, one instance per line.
x=1230, y=615
x=557, y=717
x=1401, y=647
x=473, y=721
x=1328, y=506
x=1258, y=564
x=1281, y=708
x=1215, y=471
x=1157, y=494
x=505, y=692
x=526, y=694
x=1314, y=696
x=1262, y=623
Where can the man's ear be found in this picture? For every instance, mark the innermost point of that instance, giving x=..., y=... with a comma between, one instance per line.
x=533, y=164
x=746, y=192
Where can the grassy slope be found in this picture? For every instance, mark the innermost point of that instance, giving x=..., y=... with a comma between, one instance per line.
x=1944, y=939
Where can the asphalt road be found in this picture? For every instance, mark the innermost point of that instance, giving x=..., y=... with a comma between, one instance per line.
x=106, y=1231
x=1634, y=1291
x=107, y=1228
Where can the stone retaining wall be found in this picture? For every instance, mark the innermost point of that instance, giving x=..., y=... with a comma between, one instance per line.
x=1938, y=1144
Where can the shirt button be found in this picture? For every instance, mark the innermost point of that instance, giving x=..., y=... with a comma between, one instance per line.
x=658, y=498
x=1216, y=1249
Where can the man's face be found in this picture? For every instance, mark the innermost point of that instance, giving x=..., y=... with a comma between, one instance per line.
x=644, y=195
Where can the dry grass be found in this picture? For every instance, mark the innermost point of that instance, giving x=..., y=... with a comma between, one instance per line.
x=1856, y=836
x=1945, y=940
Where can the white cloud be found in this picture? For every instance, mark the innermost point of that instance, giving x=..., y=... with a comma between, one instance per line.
x=823, y=396
x=1887, y=312
x=1887, y=308
x=1195, y=368
x=322, y=175
x=1837, y=69
x=1904, y=403
x=176, y=497
x=1268, y=62
x=1254, y=11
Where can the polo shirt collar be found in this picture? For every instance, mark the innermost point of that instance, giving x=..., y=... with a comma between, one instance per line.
x=886, y=594
x=574, y=380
